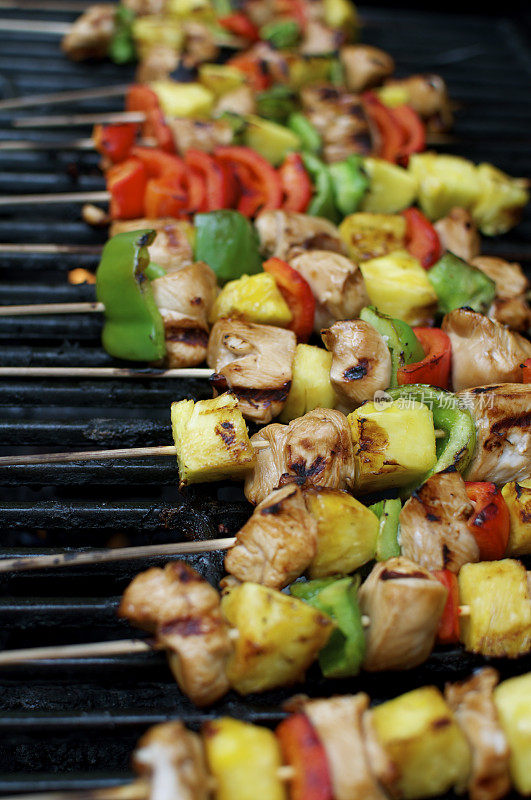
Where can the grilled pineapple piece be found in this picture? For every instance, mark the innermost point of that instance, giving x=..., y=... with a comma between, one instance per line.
x=371, y=235
x=513, y=702
x=518, y=499
x=211, y=440
x=497, y=594
x=500, y=202
x=444, y=182
x=183, y=99
x=424, y=742
x=398, y=286
x=151, y=30
x=279, y=637
x=220, y=78
x=310, y=383
x=254, y=298
x=394, y=443
x=244, y=759
x=391, y=189
x=346, y=532
x=341, y=15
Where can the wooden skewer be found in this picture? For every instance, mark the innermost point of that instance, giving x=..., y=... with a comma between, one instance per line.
x=137, y=790
x=32, y=100
x=103, y=372
x=43, y=309
x=43, y=5
x=35, y=26
x=92, y=650
x=74, y=249
x=61, y=197
x=69, y=120
x=72, y=144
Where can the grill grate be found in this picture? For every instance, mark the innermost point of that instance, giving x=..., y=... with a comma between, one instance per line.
x=73, y=725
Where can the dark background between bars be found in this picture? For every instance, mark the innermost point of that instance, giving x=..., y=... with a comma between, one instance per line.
x=74, y=724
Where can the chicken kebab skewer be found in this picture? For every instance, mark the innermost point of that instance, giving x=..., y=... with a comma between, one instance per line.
x=472, y=738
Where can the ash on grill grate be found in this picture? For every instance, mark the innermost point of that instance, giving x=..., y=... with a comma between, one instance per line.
x=74, y=724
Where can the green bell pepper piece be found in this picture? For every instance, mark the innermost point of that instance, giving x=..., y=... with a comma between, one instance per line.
x=276, y=103
x=400, y=338
x=133, y=327
x=237, y=123
x=337, y=73
x=350, y=183
x=310, y=137
x=122, y=48
x=456, y=448
x=282, y=34
x=459, y=284
x=344, y=652
x=388, y=512
x=322, y=203
x=228, y=243
x=154, y=271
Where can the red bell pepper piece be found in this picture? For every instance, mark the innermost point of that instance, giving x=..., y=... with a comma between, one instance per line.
x=256, y=177
x=526, y=371
x=255, y=70
x=422, y=240
x=158, y=163
x=413, y=130
x=434, y=369
x=240, y=24
x=393, y=137
x=296, y=183
x=303, y=751
x=490, y=521
x=126, y=183
x=448, y=631
x=296, y=9
x=297, y=294
x=141, y=98
x=196, y=186
x=167, y=197
x=115, y=141
x=214, y=176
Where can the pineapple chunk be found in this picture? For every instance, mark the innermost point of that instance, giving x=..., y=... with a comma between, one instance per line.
x=518, y=499
x=497, y=594
x=244, y=759
x=310, y=383
x=151, y=30
x=444, y=182
x=183, y=99
x=220, y=78
x=398, y=286
x=371, y=235
x=424, y=742
x=279, y=637
x=391, y=189
x=394, y=443
x=501, y=200
x=254, y=298
x=211, y=440
x=513, y=702
x=346, y=532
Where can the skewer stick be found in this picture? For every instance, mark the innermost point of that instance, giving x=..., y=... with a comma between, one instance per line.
x=72, y=249
x=35, y=26
x=103, y=372
x=72, y=144
x=32, y=100
x=61, y=197
x=43, y=309
x=69, y=120
x=137, y=790
x=44, y=5
x=119, y=647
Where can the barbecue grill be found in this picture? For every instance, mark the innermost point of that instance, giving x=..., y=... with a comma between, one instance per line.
x=73, y=724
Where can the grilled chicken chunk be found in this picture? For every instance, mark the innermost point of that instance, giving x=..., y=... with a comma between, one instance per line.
x=336, y=283
x=255, y=363
x=502, y=414
x=339, y=725
x=238, y=101
x=183, y=610
x=341, y=120
x=199, y=134
x=361, y=363
x=510, y=306
x=458, y=234
x=172, y=247
x=404, y=603
x=433, y=524
x=91, y=34
x=172, y=759
x=473, y=704
x=278, y=543
x=365, y=66
x=483, y=351
x=320, y=39
x=157, y=63
x=428, y=96
x=184, y=298
x=200, y=44
x=314, y=450
x=285, y=233
x=142, y=7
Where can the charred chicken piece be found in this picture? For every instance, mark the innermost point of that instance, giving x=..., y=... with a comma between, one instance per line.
x=458, y=234
x=183, y=611
x=428, y=96
x=157, y=63
x=184, y=298
x=91, y=34
x=199, y=134
x=314, y=450
x=172, y=247
x=433, y=524
x=510, y=306
x=365, y=66
x=404, y=603
x=255, y=363
x=483, y=351
x=341, y=120
x=284, y=234
x=319, y=39
x=238, y=101
x=336, y=283
x=278, y=543
x=502, y=414
x=200, y=44
x=361, y=363
x=472, y=702
x=173, y=760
